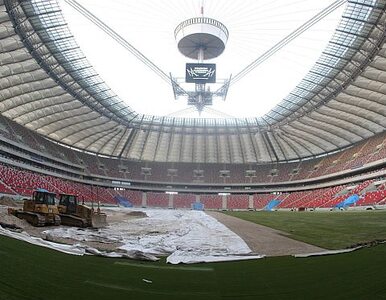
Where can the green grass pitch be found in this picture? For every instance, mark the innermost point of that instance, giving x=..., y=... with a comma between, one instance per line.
x=331, y=230
x=28, y=272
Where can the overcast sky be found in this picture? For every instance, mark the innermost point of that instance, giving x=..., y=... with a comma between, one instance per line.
x=254, y=26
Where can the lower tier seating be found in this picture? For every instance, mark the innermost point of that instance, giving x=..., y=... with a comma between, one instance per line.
x=16, y=181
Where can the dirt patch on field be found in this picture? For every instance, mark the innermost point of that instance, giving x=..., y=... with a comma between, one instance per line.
x=8, y=201
x=137, y=214
x=14, y=223
x=119, y=216
x=262, y=239
x=11, y=220
x=113, y=216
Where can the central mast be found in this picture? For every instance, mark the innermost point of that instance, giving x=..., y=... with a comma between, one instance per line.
x=200, y=39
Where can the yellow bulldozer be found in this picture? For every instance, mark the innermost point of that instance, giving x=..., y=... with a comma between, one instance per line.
x=40, y=210
x=74, y=214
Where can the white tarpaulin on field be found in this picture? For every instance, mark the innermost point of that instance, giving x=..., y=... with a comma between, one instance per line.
x=23, y=236
x=77, y=249
x=186, y=236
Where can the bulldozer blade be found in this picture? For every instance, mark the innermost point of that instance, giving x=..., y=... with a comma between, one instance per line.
x=98, y=220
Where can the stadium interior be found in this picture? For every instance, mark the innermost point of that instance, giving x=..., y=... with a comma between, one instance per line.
x=62, y=129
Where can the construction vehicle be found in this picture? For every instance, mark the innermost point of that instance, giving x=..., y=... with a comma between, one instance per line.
x=40, y=210
x=74, y=214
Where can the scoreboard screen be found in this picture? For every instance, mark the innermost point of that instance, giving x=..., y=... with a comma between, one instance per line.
x=200, y=73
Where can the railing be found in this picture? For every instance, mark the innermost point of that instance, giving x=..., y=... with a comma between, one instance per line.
x=201, y=20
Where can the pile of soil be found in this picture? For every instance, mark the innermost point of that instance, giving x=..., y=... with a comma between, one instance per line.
x=119, y=216
x=8, y=201
x=11, y=222
x=137, y=213
x=8, y=219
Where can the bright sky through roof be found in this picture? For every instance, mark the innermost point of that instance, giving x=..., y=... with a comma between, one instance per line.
x=254, y=27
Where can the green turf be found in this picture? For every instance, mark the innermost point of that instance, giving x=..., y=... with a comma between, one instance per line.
x=33, y=273
x=331, y=230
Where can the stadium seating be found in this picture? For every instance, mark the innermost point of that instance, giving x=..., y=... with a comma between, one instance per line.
x=17, y=181
x=135, y=197
x=294, y=199
x=237, y=202
x=372, y=198
x=261, y=200
x=352, y=158
x=25, y=182
x=211, y=201
x=6, y=190
x=183, y=200
x=272, y=204
x=157, y=200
